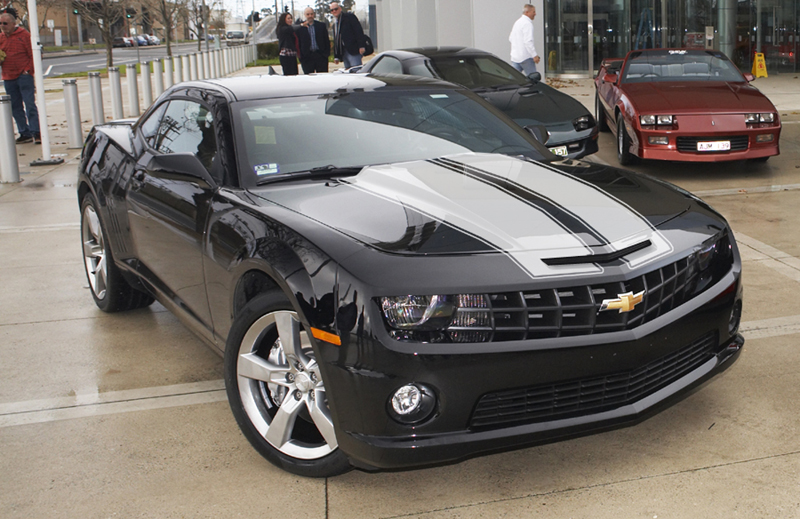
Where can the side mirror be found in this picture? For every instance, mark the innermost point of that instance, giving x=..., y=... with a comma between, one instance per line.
x=749, y=77
x=355, y=70
x=185, y=164
x=539, y=131
x=535, y=77
x=610, y=78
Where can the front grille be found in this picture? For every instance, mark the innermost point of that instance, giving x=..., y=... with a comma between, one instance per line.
x=570, y=311
x=689, y=144
x=591, y=395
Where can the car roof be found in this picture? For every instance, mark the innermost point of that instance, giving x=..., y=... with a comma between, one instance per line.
x=264, y=87
x=440, y=52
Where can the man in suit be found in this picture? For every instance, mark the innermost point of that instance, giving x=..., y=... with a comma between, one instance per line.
x=315, y=46
x=348, y=37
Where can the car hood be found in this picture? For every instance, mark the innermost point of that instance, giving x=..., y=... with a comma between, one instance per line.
x=536, y=104
x=481, y=203
x=696, y=97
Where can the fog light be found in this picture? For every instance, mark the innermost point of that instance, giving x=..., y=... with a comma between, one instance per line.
x=412, y=403
x=658, y=140
x=767, y=137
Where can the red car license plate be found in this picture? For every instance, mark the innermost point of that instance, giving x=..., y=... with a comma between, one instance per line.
x=714, y=146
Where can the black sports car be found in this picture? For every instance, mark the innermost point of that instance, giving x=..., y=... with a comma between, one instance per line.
x=571, y=127
x=397, y=274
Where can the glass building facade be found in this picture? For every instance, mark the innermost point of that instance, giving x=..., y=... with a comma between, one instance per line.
x=579, y=34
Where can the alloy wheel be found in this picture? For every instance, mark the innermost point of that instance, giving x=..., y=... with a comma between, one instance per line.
x=281, y=387
x=94, y=252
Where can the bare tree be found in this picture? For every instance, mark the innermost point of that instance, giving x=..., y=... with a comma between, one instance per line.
x=106, y=14
x=198, y=18
x=168, y=13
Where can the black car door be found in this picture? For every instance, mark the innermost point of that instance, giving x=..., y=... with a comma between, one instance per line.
x=168, y=203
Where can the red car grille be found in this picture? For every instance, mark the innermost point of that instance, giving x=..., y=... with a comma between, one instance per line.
x=590, y=395
x=689, y=144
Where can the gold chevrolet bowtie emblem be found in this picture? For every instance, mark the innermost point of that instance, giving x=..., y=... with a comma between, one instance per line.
x=623, y=302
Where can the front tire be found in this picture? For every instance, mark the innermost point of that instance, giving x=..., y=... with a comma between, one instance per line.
x=276, y=392
x=110, y=291
x=626, y=158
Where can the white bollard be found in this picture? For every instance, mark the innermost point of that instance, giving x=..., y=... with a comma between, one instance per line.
x=147, y=85
x=224, y=60
x=96, y=93
x=73, y=110
x=9, y=163
x=158, y=76
x=207, y=66
x=133, y=91
x=168, y=72
x=185, y=68
x=192, y=67
x=116, y=93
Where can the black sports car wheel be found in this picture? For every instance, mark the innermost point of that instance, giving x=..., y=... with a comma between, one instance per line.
x=276, y=391
x=110, y=291
x=599, y=114
x=624, y=155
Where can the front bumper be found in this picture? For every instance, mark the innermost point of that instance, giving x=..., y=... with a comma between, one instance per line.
x=366, y=372
x=576, y=148
x=744, y=145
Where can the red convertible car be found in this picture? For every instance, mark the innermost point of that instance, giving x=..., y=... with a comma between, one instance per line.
x=684, y=105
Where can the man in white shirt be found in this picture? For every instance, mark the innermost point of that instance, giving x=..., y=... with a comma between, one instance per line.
x=523, y=53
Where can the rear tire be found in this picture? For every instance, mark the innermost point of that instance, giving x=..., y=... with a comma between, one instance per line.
x=276, y=392
x=626, y=158
x=110, y=291
x=600, y=114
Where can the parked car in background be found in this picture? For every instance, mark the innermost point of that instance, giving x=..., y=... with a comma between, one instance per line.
x=235, y=38
x=142, y=40
x=426, y=283
x=686, y=105
x=152, y=39
x=119, y=41
x=570, y=127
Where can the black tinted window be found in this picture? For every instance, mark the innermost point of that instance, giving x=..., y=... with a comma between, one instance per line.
x=187, y=126
x=388, y=65
x=150, y=125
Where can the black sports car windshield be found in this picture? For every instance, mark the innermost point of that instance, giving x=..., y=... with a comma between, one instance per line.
x=277, y=138
x=679, y=65
x=478, y=71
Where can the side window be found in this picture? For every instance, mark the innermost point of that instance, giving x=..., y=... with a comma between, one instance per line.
x=150, y=126
x=420, y=68
x=388, y=65
x=187, y=126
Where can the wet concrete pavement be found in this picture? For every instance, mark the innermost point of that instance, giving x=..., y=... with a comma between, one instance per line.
x=125, y=415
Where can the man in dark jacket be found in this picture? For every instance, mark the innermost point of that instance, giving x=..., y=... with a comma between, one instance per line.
x=348, y=37
x=315, y=46
x=15, y=42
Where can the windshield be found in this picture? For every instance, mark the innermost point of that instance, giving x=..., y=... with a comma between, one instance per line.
x=679, y=65
x=478, y=71
x=236, y=34
x=288, y=135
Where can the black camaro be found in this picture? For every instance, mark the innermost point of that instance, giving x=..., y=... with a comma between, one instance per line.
x=397, y=274
x=571, y=128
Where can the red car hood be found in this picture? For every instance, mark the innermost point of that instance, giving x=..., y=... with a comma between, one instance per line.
x=694, y=97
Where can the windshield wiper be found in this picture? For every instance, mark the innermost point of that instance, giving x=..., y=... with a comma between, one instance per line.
x=322, y=171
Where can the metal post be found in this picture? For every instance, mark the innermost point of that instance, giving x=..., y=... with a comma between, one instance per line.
x=133, y=91
x=201, y=66
x=116, y=93
x=217, y=68
x=147, y=85
x=207, y=65
x=96, y=93
x=9, y=164
x=168, y=71
x=185, y=68
x=80, y=34
x=73, y=109
x=38, y=78
x=158, y=75
x=193, y=67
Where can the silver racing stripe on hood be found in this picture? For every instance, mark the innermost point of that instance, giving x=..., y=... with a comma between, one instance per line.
x=619, y=225
x=509, y=225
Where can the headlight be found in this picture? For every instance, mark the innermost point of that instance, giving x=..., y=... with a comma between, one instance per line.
x=650, y=120
x=713, y=259
x=438, y=318
x=647, y=120
x=664, y=119
x=759, y=118
x=583, y=123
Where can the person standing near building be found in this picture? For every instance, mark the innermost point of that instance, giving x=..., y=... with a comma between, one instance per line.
x=17, y=65
x=287, y=42
x=523, y=52
x=348, y=37
x=315, y=45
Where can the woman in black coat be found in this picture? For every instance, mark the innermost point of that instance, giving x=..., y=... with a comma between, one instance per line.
x=287, y=41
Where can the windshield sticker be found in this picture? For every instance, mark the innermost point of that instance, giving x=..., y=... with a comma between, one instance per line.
x=267, y=169
x=439, y=96
x=265, y=135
